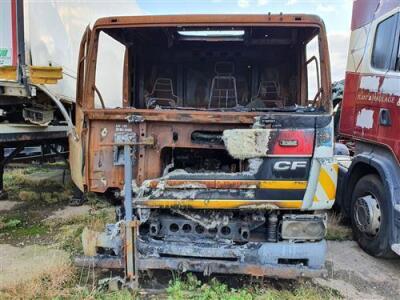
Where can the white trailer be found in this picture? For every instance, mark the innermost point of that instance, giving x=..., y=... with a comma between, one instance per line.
x=39, y=45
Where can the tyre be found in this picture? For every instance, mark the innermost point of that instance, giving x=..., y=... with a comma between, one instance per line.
x=370, y=216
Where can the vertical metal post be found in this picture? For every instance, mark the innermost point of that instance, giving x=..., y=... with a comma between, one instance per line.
x=128, y=182
x=2, y=162
x=130, y=267
x=21, y=44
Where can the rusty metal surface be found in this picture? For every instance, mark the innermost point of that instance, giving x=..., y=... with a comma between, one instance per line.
x=103, y=262
x=201, y=20
x=178, y=116
x=102, y=174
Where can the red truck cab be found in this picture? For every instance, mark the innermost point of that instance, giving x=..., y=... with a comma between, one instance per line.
x=369, y=192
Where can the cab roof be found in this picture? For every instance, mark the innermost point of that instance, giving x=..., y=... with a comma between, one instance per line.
x=300, y=20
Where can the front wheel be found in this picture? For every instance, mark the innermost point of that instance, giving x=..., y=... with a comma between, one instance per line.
x=370, y=216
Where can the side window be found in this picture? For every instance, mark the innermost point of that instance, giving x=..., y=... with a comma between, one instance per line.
x=313, y=69
x=109, y=72
x=384, y=42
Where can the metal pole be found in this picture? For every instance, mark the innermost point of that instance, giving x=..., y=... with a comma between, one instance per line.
x=2, y=161
x=128, y=183
x=128, y=214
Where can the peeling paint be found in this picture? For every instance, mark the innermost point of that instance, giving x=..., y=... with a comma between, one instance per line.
x=376, y=84
x=365, y=118
x=370, y=83
x=391, y=86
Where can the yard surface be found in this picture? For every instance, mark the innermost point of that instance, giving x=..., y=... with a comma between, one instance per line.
x=40, y=233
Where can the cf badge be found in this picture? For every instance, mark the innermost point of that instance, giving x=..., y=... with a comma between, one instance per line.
x=290, y=165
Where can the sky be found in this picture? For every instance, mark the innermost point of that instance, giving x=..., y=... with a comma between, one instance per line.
x=335, y=13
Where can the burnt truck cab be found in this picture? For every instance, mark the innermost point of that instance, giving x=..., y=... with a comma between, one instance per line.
x=220, y=143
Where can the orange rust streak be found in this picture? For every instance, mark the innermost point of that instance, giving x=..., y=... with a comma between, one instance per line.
x=221, y=203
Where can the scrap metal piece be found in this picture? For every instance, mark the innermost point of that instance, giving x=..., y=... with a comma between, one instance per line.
x=109, y=239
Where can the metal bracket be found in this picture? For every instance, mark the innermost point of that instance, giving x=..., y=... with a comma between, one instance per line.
x=121, y=139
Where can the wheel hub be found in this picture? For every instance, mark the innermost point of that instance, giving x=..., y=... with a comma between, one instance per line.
x=367, y=214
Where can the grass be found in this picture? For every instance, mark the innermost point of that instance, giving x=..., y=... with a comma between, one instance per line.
x=336, y=230
x=62, y=283
x=193, y=289
x=34, y=184
x=17, y=228
x=67, y=283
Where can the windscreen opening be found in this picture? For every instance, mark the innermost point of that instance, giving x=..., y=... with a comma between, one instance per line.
x=215, y=68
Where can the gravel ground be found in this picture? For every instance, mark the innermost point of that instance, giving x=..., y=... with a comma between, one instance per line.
x=6, y=205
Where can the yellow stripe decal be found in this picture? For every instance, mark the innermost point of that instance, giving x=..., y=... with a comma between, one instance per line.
x=221, y=203
x=327, y=183
x=283, y=185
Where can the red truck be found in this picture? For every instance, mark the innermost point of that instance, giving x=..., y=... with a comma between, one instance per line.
x=370, y=182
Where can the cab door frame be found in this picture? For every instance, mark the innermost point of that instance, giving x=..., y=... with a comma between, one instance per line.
x=77, y=141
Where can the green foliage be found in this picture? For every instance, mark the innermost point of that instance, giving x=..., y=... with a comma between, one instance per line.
x=70, y=231
x=193, y=289
x=12, y=223
x=16, y=228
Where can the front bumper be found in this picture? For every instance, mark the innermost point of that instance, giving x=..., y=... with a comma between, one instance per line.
x=283, y=259
x=277, y=260
x=208, y=267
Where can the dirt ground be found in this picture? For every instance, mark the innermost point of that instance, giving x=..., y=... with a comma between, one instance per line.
x=29, y=247
x=18, y=264
x=357, y=275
